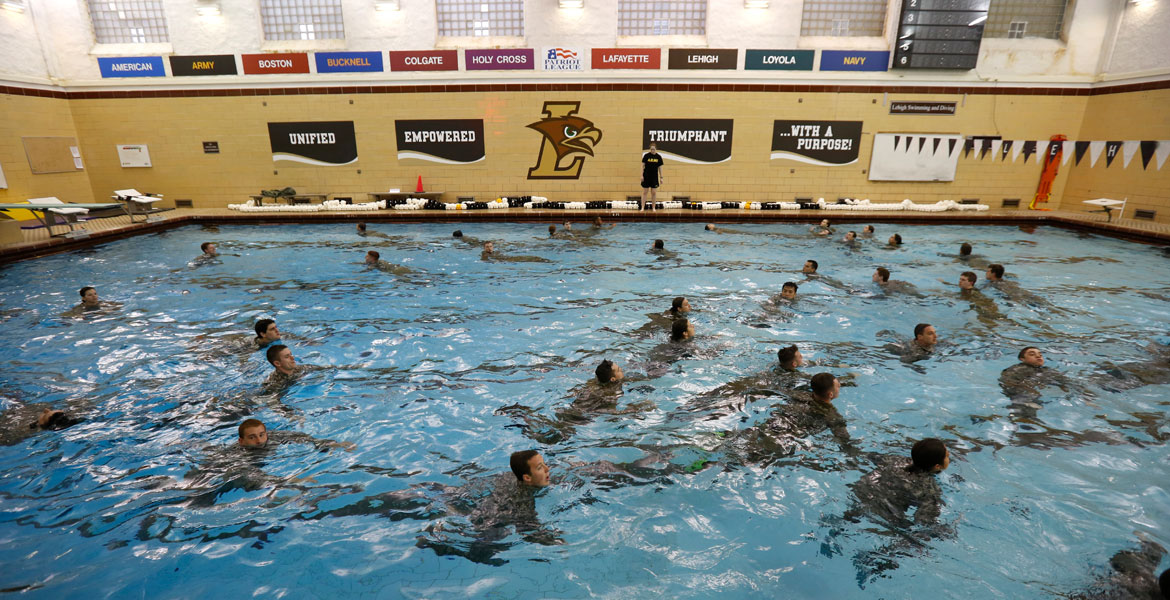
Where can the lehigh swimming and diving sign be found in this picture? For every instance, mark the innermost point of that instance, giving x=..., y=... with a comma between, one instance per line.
x=695, y=141
x=323, y=143
x=448, y=141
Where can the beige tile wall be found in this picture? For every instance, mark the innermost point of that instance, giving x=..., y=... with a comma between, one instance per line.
x=26, y=116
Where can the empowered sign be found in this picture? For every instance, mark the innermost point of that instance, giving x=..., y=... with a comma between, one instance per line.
x=448, y=141
x=826, y=143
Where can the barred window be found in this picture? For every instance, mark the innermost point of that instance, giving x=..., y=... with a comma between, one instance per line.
x=128, y=21
x=1025, y=19
x=844, y=18
x=659, y=17
x=480, y=18
x=302, y=19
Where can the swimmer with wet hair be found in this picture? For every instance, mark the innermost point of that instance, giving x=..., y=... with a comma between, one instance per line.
x=281, y=359
x=929, y=456
x=361, y=228
x=372, y=257
x=608, y=372
x=266, y=332
x=253, y=433
x=895, y=240
x=881, y=275
x=788, y=290
x=868, y=231
x=1031, y=356
x=810, y=267
x=681, y=330
x=659, y=245
x=995, y=272
x=967, y=280
x=790, y=358
x=488, y=249
x=552, y=231
x=457, y=233
x=825, y=387
x=965, y=249
x=709, y=227
x=207, y=248
x=822, y=229
x=53, y=420
x=925, y=336
x=850, y=237
x=678, y=306
x=89, y=297
x=529, y=468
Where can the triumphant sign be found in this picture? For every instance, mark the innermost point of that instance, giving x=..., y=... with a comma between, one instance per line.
x=695, y=141
x=565, y=136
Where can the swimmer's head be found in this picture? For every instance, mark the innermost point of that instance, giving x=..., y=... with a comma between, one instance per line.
x=850, y=236
x=825, y=387
x=608, y=372
x=208, y=248
x=788, y=291
x=929, y=456
x=53, y=420
x=824, y=222
x=457, y=233
x=681, y=330
x=881, y=275
x=1032, y=356
x=567, y=225
x=361, y=227
x=925, y=335
x=659, y=245
x=552, y=230
x=967, y=280
x=253, y=433
x=810, y=267
x=896, y=239
x=790, y=358
x=488, y=247
x=679, y=305
x=266, y=330
x=529, y=468
x=965, y=249
x=597, y=221
x=995, y=272
x=281, y=358
x=869, y=229
x=372, y=257
x=709, y=227
x=89, y=296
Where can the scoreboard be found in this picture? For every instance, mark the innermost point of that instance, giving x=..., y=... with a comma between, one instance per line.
x=940, y=34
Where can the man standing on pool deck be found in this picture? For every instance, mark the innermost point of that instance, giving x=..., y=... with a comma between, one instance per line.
x=651, y=175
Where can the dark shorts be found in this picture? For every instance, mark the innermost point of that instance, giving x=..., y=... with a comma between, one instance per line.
x=649, y=183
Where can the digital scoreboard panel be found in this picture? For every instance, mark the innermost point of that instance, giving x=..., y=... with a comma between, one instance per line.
x=940, y=34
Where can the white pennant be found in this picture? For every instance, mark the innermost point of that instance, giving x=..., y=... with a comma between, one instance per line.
x=1127, y=150
x=1042, y=151
x=1162, y=152
x=1066, y=152
x=995, y=144
x=1095, y=149
x=1017, y=146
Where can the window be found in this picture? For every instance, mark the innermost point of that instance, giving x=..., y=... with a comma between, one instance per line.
x=842, y=18
x=660, y=17
x=1025, y=18
x=480, y=18
x=302, y=19
x=128, y=21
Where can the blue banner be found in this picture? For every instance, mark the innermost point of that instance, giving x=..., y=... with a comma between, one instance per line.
x=348, y=62
x=855, y=60
x=131, y=66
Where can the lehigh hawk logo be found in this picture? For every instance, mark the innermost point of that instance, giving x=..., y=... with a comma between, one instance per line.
x=565, y=135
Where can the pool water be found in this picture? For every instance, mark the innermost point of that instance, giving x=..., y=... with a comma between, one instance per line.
x=437, y=375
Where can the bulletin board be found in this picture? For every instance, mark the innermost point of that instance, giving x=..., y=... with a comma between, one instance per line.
x=52, y=154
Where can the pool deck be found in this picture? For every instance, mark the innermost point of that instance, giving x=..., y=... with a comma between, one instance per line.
x=37, y=242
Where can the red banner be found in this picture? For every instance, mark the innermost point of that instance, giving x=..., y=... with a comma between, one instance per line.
x=424, y=60
x=269, y=64
x=626, y=58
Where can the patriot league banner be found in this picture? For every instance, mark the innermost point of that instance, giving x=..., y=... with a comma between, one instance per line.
x=323, y=143
x=695, y=141
x=563, y=59
x=827, y=143
x=447, y=141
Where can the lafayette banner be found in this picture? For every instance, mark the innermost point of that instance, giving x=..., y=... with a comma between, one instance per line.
x=448, y=141
x=695, y=141
x=827, y=143
x=324, y=143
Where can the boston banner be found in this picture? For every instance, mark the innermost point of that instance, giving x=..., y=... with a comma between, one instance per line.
x=324, y=143
x=695, y=141
x=448, y=141
x=828, y=143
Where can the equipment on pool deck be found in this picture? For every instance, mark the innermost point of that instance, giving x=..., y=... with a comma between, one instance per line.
x=419, y=189
x=1107, y=205
x=1048, y=173
x=138, y=203
x=48, y=209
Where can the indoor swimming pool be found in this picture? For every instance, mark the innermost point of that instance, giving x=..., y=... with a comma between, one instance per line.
x=441, y=364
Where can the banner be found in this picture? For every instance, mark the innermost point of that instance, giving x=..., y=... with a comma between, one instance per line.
x=922, y=108
x=778, y=60
x=499, y=60
x=563, y=59
x=683, y=58
x=1128, y=148
x=1111, y=149
x=916, y=157
x=828, y=143
x=323, y=143
x=218, y=64
x=627, y=58
x=348, y=62
x=131, y=66
x=447, y=141
x=855, y=60
x=274, y=64
x=695, y=141
x=424, y=60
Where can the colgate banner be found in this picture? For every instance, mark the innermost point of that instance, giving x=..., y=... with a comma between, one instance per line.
x=627, y=58
x=271, y=64
x=424, y=60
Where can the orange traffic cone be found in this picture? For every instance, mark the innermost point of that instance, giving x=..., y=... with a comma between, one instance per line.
x=419, y=189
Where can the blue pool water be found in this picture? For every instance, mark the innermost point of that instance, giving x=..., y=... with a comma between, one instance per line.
x=145, y=497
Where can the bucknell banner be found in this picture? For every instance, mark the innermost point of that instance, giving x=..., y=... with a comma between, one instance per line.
x=695, y=141
x=325, y=143
x=448, y=141
x=828, y=143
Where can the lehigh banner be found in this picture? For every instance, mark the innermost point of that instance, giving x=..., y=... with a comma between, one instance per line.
x=324, y=143
x=448, y=141
x=695, y=141
x=567, y=139
x=827, y=143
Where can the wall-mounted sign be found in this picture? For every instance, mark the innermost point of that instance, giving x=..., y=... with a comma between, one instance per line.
x=690, y=58
x=514, y=59
x=855, y=60
x=449, y=141
x=209, y=64
x=627, y=58
x=133, y=155
x=695, y=141
x=424, y=60
x=560, y=58
x=211, y=147
x=779, y=60
x=324, y=143
x=922, y=108
x=568, y=139
x=348, y=62
x=828, y=143
x=940, y=34
x=131, y=66
x=272, y=64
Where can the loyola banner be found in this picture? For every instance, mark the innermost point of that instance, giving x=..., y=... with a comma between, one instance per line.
x=448, y=141
x=828, y=143
x=695, y=141
x=324, y=143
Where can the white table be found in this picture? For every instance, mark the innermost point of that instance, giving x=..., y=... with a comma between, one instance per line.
x=1107, y=205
